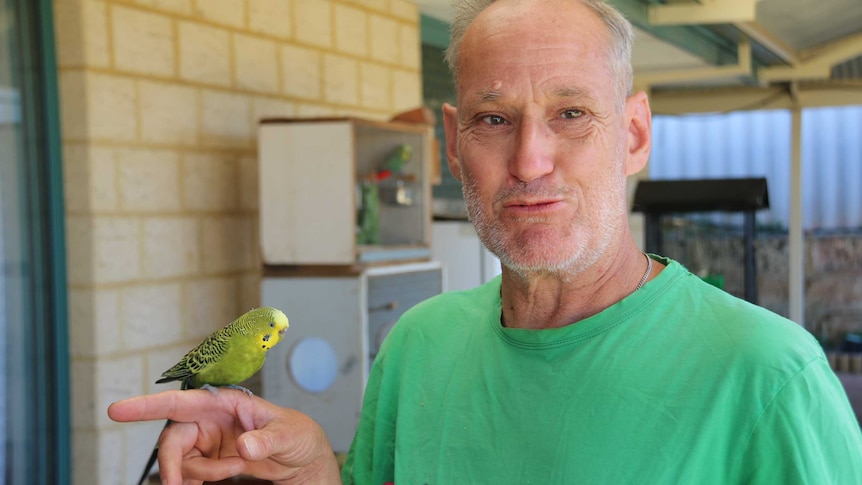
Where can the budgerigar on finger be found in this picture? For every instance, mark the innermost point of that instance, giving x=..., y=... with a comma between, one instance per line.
x=227, y=357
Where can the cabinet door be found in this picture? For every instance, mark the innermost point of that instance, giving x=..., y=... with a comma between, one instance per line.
x=390, y=295
x=307, y=192
x=325, y=317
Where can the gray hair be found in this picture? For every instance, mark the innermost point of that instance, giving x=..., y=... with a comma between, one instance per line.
x=619, y=30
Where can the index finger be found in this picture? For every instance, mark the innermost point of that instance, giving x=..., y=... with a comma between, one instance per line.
x=181, y=406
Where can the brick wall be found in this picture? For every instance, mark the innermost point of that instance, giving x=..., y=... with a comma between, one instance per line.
x=160, y=101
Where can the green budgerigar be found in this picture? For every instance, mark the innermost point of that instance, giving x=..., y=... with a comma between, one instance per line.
x=227, y=357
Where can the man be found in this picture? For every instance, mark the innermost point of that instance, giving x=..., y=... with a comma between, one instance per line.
x=586, y=361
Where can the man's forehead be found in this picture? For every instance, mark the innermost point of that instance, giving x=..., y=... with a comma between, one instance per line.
x=559, y=50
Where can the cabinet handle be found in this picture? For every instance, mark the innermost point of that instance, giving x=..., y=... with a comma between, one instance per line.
x=385, y=307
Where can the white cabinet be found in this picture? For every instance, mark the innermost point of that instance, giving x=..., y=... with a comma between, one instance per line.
x=337, y=323
x=310, y=173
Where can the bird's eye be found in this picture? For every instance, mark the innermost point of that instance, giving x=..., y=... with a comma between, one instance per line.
x=271, y=324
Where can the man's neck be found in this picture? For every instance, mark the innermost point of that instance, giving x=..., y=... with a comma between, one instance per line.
x=540, y=301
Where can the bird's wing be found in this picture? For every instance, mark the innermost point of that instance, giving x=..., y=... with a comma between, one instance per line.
x=199, y=358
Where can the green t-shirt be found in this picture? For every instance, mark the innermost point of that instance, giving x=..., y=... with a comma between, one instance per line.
x=678, y=383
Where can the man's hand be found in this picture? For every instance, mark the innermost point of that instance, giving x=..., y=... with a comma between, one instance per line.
x=219, y=435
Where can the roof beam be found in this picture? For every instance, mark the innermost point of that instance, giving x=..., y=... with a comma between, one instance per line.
x=837, y=51
x=741, y=68
x=703, y=12
x=809, y=94
x=694, y=39
x=816, y=63
x=769, y=41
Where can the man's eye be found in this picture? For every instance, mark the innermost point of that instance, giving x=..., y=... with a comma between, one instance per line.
x=571, y=114
x=494, y=120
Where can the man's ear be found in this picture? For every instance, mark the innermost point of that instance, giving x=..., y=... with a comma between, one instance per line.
x=450, y=127
x=639, y=119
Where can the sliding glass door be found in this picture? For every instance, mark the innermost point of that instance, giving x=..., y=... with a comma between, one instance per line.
x=33, y=357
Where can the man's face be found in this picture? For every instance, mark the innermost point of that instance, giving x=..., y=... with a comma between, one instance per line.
x=538, y=139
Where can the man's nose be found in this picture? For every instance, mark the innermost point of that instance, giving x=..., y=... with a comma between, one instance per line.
x=534, y=148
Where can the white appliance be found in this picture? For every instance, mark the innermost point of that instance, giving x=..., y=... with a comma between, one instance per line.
x=465, y=260
x=337, y=322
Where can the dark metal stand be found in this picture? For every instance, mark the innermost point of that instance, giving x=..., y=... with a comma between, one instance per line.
x=657, y=198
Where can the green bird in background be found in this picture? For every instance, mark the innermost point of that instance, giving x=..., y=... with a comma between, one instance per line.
x=227, y=357
x=392, y=166
x=398, y=158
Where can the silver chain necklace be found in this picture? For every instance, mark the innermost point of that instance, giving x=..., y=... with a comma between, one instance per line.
x=648, y=271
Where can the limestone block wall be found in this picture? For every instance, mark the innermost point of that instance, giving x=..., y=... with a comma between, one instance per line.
x=833, y=287
x=833, y=276
x=160, y=101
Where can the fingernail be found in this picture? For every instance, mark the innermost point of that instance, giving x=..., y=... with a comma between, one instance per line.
x=252, y=447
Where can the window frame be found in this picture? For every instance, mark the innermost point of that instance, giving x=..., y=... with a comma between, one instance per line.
x=46, y=352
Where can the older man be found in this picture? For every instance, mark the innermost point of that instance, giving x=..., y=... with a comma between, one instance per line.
x=586, y=361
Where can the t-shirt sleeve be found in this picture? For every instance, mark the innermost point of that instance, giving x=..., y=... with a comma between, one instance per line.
x=807, y=434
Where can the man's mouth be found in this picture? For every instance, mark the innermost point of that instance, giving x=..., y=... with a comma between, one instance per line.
x=529, y=203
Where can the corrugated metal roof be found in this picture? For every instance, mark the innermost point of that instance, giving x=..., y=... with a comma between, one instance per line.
x=851, y=69
x=757, y=144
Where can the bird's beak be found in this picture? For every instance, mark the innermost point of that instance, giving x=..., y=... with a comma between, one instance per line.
x=282, y=331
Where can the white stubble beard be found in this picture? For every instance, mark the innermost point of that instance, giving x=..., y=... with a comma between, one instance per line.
x=563, y=262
